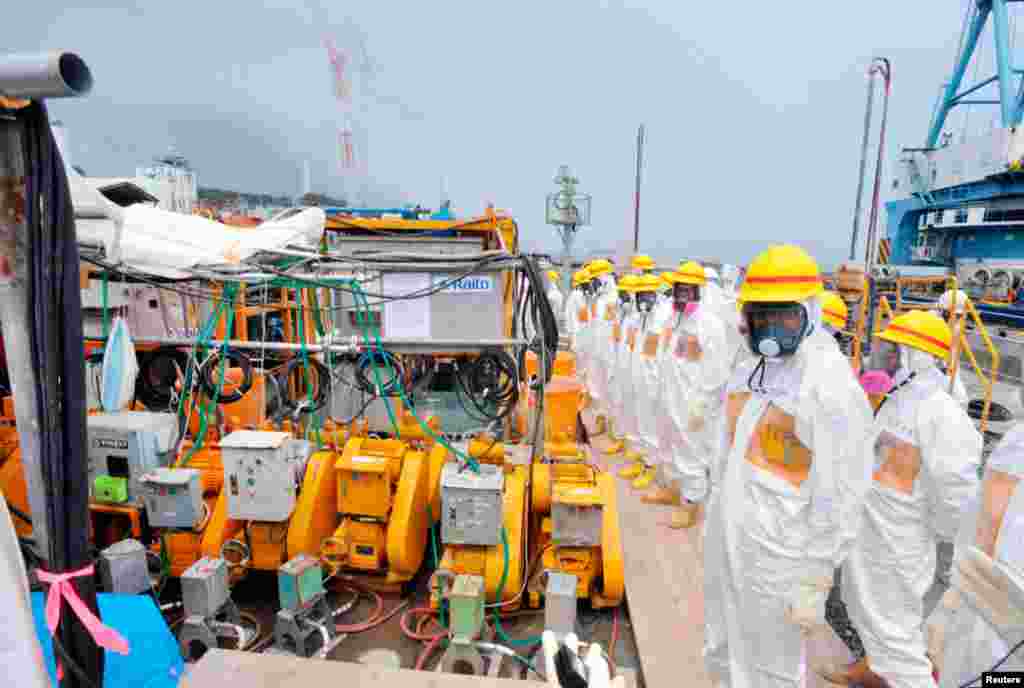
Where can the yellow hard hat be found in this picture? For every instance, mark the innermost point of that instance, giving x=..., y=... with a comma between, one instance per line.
x=580, y=277
x=641, y=262
x=600, y=267
x=647, y=283
x=781, y=274
x=690, y=272
x=553, y=275
x=628, y=283
x=666, y=279
x=920, y=330
x=833, y=309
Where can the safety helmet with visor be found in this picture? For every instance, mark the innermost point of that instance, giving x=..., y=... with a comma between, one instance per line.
x=909, y=344
x=686, y=286
x=778, y=283
x=647, y=293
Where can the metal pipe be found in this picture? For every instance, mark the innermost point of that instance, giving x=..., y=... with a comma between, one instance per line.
x=885, y=69
x=44, y=75
x=863, y=161
x=438, y=344
x=636, y=193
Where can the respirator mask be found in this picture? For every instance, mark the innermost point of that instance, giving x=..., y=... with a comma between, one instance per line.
x=685, y=298
x=881, y=367
x=775, y=329
x=645, y=300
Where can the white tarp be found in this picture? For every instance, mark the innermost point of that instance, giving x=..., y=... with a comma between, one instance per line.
x=164, y=243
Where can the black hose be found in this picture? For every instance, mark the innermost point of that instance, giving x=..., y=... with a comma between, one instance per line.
x=158, y=374
x=389, y=387
x=321, y=382
x=490, y=381
x=210, y=369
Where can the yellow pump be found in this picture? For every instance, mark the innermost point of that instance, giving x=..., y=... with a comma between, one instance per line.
x=488, y=561
x=367, y=511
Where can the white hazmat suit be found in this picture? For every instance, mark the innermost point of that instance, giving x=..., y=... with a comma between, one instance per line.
x=795, y=475
x=695, y=366
x=600, y=353
x=927, y=453
x=994, y=526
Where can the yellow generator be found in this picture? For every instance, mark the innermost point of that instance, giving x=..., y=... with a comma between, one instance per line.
x=367, y=511
x=483, y=525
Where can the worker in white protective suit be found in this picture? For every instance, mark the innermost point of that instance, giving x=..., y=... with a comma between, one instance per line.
x=797, y=467
x=981, y=617
x=730, y=280
x=695, y=363
x=577, y=318
x=953, y=309
x=574, y=304
x=642, y=403
x=927, y=454
x=604, y=299
x=555, y=297
x=654, y=427
x=619, y=385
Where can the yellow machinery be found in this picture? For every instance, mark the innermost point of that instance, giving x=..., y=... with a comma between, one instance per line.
x=367, y=511
x=505, y=522
x=574, y=526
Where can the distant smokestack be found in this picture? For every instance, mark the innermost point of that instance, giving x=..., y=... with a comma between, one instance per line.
x=307, y=182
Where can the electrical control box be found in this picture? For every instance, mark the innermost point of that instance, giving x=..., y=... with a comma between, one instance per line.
x=123, y=447
x=173, y=497
x=299, y=583
x=471, y=502
x=577, y=513
x=260, y=475
x=204, y=587
x=560, y=603
x=123, y=568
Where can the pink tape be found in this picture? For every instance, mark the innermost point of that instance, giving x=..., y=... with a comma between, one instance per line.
x=61, y=587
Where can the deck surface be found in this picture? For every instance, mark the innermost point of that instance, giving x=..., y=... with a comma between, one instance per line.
x=665, y=593
x=228, y=668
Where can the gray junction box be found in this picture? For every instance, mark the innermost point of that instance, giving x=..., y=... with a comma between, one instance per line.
x=126, y=445
x=123, y=568
x=204, y=587
x=471, y=505
x=173, y=497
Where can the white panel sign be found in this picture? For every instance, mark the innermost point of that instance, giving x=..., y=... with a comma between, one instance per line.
x=407, y=317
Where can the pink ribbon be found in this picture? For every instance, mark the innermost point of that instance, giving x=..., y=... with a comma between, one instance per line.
x=60, y=586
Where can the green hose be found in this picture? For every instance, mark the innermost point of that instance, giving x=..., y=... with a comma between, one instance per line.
x=501, y=588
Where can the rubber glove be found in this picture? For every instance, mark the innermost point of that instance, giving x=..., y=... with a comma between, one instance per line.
x=807, y=608
x=994, y=591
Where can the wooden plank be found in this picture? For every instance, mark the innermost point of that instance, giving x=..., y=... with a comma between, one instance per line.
x=220, y=668
x=665, y=592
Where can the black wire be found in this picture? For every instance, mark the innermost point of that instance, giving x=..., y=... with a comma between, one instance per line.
x=79, y=673
x=976, y=681
x=380, y=358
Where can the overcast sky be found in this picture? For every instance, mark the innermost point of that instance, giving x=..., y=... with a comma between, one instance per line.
x=753, y=110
